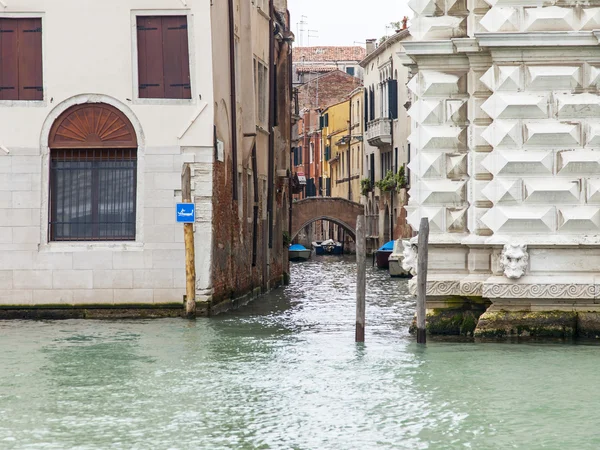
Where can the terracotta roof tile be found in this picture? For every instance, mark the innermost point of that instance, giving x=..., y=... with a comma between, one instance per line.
x=315, y=68
x=314, y=54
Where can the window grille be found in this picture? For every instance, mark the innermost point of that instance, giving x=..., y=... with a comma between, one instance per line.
x=93, y=195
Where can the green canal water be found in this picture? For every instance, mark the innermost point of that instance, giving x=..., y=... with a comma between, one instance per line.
x=284, y=373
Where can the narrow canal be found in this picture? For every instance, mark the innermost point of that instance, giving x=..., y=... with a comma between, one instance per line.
x=285, y=373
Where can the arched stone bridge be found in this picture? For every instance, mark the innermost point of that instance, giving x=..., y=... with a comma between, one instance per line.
x=337, y=210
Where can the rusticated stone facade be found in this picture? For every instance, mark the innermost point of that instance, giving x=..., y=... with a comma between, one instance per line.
x=506, y=149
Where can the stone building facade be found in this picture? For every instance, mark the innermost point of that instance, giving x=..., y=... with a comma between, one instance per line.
x=505, y=153
x=92, y=149
x=386, y=131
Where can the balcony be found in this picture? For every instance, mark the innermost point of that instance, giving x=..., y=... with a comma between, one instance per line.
x=379, y=132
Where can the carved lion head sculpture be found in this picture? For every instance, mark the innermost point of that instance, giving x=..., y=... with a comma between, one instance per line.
x=513, y=260
x=409, y=257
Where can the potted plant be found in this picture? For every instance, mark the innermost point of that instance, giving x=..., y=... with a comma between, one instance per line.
x=365, y=186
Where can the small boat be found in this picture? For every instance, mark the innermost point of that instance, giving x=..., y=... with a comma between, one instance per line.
x=299, y=252
x=328, y=247
x=383, y=254
x=396, y=259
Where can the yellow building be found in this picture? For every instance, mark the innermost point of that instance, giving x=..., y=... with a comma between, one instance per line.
x=336, y=122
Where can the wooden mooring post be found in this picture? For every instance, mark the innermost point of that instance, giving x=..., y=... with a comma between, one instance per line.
x=188, y=237
x=361, y=280
x=423, y=253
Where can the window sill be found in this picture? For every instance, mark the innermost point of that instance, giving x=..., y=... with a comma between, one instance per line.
x=117, y=246
x=24, y=103
x=164, y=101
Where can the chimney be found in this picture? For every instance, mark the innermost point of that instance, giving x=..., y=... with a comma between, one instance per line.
x=371, y=45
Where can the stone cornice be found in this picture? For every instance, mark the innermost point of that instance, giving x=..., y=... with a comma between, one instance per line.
x=539, y=39
x=445, y=47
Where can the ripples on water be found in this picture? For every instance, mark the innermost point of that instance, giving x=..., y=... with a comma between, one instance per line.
x=284, y=373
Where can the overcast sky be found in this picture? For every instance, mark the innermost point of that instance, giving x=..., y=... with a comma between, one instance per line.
x=342, y=22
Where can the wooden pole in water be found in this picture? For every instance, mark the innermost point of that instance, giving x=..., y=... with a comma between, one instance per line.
x=188, y=238
x=361, y=280
x=423, y=252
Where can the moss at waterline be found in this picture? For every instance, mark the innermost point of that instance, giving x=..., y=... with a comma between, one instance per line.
x=501, y=324
x=449, y=322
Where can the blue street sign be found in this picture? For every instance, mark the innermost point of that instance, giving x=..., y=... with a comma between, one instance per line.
x=186, y=213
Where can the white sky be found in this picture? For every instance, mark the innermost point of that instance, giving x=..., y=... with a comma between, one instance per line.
x=342, y=22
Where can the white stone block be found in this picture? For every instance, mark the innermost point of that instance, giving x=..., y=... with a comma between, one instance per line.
x=504, y=133
x=52, y=261
x=552, y=134
x=593, y=190
x=433, y=83
x=428, y=165
x=113, y=279
x=550, y=18
x=456, y=220
x=456, y=165
x=153, y=279
x=169, y=259
x=427, y=112
x=26, y=164
x=5, y=164
x=505, y=105
x=5, y=200
x=93, y=297
x=159, y=163
x=165, y=216
x=16, y=260
x=6, y=280
x=168, y=296
x=437, y=28
x=590, y=19
x=550, y=191
x=93, y=260
x=26, y=235
x=132, y=260
x=160, y=198
x=426, y=7
x=502, y=190
x=441, y=192
x=579, y=219
x=435, y=214
x=15, y=181
x=444, y=137
x=10, y=217
x=133, y=296
x=166, y=180
x=577, y=105
x=32, y=279
x=554, y=77
x=593, y=135
x=53, y=297
x=72, y=279
x=161, y=234
x=26, y=199
x=519, y=162
x=520, y=219
x=578, y=162
x=501, y=19
x=6, y=235
x=16, y=297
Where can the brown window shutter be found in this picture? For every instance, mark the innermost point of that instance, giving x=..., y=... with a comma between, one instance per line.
x=30, y=59
x=9, y=60
x=176, y=57
x=150, y=57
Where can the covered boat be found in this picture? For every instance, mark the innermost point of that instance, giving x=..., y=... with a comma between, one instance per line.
x=328, y=247
x=395, y=260
x=298, y=252
x=383, y=254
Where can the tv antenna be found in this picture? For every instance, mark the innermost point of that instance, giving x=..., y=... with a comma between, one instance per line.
x=310, y=35
x=301, y=28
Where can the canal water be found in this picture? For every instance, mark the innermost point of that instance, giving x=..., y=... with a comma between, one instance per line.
x=284, y=373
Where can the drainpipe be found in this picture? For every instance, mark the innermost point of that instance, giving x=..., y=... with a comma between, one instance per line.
x=349, y=148
x=232, y=68
x=255, y=216
x=290, y=194
x=271, y=162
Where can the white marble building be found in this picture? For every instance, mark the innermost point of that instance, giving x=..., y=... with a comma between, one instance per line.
x=506, y=150
x=83, y=130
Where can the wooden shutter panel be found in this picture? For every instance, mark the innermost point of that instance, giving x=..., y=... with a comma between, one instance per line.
x=9, y=60
x=150, y=57
x=393, y=99
x=176, y=57
x=30, y=59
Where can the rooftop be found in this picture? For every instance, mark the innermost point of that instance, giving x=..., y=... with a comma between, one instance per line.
x=312, y=54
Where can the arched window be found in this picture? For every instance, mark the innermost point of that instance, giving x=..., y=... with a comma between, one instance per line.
x=93, y=168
